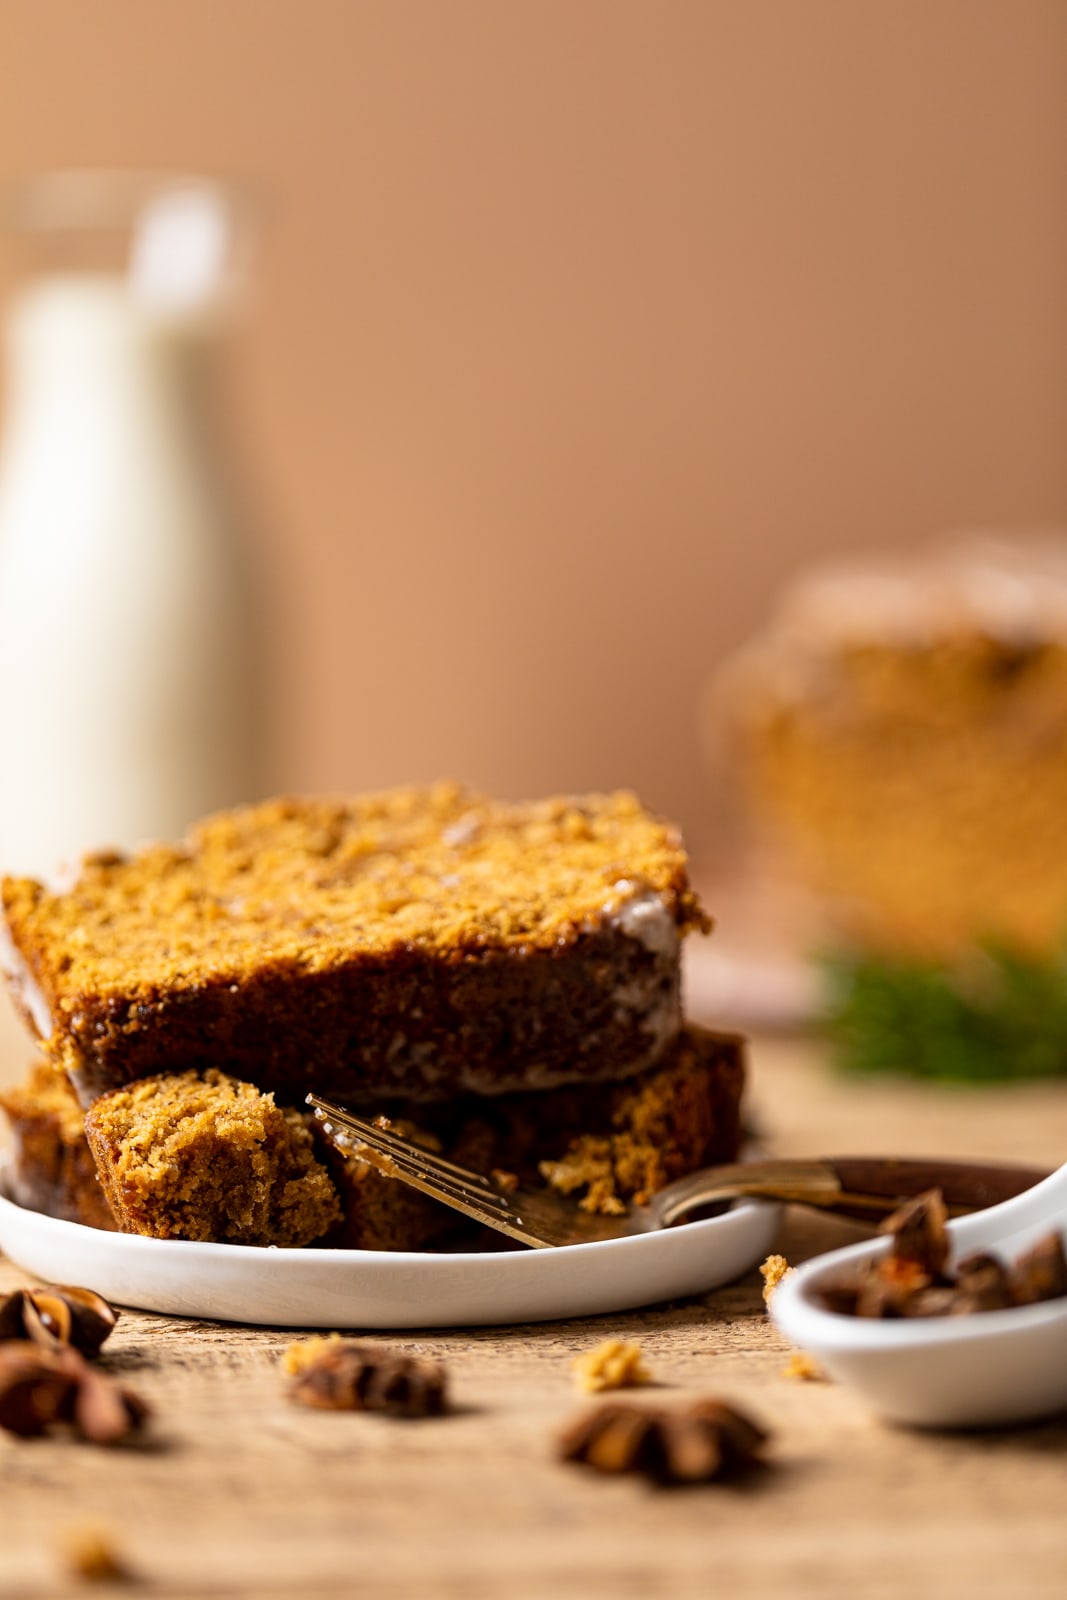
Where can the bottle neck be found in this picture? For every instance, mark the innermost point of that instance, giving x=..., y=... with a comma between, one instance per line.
x=78, y=345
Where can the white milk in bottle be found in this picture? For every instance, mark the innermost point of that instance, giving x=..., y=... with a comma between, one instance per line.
x=128, y=686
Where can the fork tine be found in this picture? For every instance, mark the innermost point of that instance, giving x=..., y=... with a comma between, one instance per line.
x=392, y=1144
x=466, y=1191
x=403, y=1152
x=410, y=1166
x=535, y=1217
x=473, y=1201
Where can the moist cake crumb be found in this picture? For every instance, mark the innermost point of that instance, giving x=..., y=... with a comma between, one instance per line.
x=681, y=1115
x=206, y=1157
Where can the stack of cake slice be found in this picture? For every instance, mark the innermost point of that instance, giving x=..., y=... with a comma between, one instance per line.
x=501, y=981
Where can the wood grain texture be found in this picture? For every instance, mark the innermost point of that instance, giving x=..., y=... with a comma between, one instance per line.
x=241, y=1493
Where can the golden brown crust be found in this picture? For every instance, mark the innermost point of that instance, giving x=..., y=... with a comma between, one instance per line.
x=440, y=869
x=418, y=942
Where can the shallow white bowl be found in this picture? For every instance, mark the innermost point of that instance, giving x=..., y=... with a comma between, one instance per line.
x=984, y=1370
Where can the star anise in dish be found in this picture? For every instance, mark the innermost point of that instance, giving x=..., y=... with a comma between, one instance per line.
x=915, y=1280
x=1040, y=1273
x=919, y=1232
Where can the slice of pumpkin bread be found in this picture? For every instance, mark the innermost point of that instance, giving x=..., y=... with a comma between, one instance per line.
x=159, y=1147
x=205, y=1157
x=417, y=943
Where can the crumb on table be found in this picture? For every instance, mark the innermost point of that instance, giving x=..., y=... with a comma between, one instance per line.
x=804, y=1366
x=613, y=1364
x=772, y=1271
x=90, y=1553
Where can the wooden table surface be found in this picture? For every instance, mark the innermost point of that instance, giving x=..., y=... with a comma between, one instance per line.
x=242, y=1493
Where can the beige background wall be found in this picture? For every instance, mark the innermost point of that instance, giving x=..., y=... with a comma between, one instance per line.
x=581, y=323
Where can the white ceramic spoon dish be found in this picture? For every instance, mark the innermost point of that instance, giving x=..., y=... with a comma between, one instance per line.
x=384, y=1288
x=981, y=1370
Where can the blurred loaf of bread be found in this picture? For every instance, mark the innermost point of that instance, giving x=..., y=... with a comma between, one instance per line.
x=899, y=735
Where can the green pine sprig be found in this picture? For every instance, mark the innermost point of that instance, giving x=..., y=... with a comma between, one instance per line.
x=997, y=1013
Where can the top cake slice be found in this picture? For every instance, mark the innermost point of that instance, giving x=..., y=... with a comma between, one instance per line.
x=412, y=943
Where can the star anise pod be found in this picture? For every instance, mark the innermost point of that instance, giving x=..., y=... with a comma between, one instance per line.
x=40, y=1387
x=348, y=1375
x=983, y=1283
x=919, y=1234
x=893, y=1288
x=913, y=1280
x=692, y=1443
x=1040, y=1273
x=37, y=1388
x=106, y=1412
x=58, y=1315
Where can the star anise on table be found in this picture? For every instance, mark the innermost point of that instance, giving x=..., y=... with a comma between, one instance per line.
x=56, y=1316
x=41, y=1388
x=691, y=1443
x=349, y=1375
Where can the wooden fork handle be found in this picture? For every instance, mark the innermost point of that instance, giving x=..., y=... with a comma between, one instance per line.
x=873, y=1186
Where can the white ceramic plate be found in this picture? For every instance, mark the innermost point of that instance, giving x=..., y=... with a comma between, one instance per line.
x=387, y=1289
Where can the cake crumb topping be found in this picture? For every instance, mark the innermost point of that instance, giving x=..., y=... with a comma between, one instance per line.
x=302, y=880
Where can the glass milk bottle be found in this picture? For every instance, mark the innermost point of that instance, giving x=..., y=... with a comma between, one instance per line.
x=128, y=702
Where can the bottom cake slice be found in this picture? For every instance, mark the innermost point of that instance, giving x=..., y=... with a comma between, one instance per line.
x=204, y=1156
x=608, y=1145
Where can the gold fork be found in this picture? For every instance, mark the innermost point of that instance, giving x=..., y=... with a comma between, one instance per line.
x=867, y=1187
